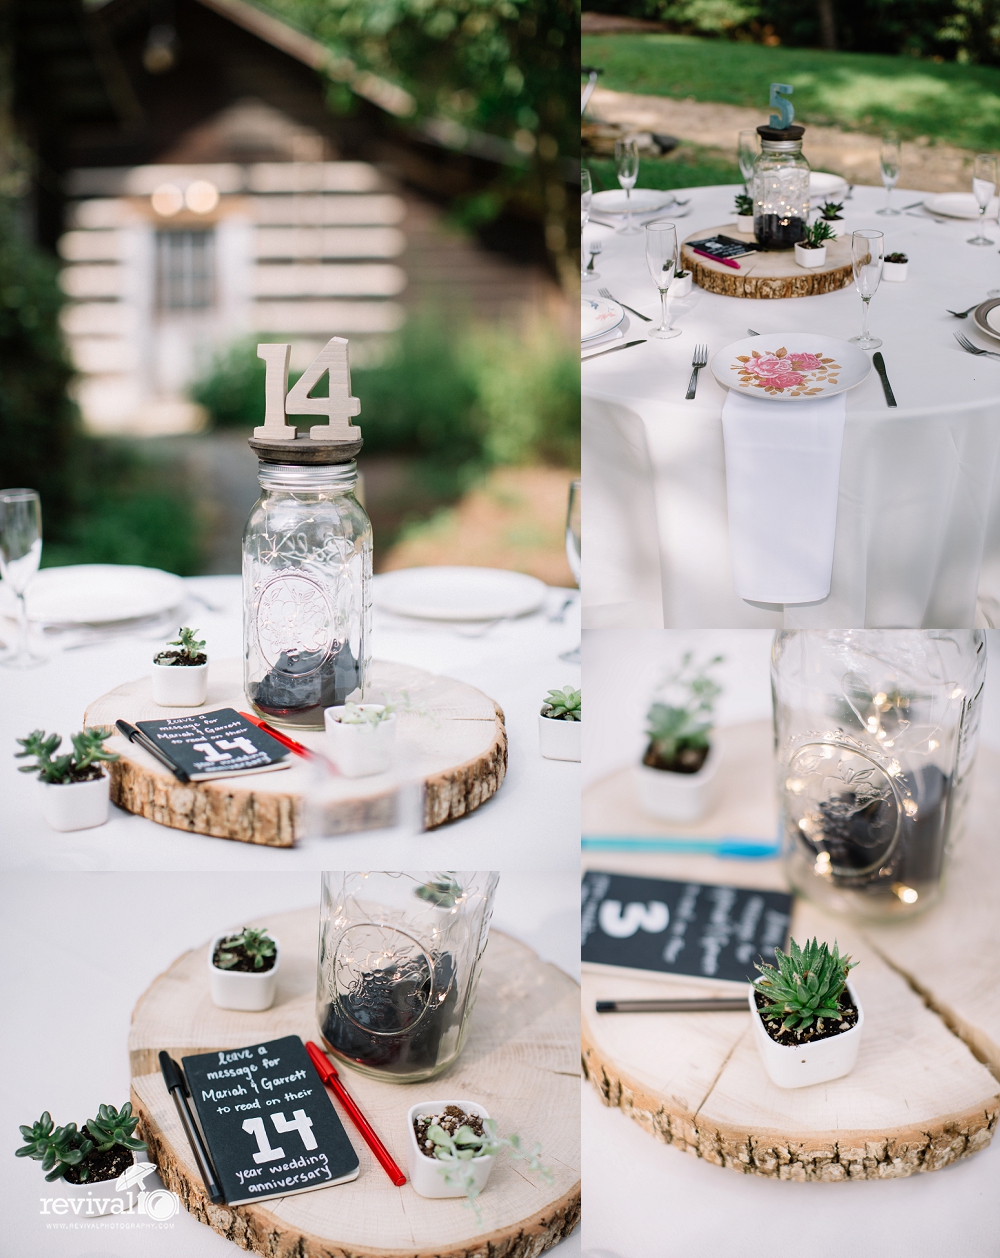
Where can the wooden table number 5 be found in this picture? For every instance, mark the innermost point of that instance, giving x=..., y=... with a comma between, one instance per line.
x=279, y=401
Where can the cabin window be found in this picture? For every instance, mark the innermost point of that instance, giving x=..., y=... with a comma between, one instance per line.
x=185, y=270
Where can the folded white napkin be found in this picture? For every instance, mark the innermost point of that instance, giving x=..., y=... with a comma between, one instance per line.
x=782, y=482
x=616, y=334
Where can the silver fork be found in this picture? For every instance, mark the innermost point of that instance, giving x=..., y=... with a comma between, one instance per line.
x=964, y=314
x=604, y=293
x=969, y=348
x=698, y=360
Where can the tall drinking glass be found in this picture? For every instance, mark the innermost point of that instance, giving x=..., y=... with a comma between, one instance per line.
x=574, y=548
x=661, y=258
x=867, y=254
x=20, y=553
x=748, y=147
x=889, y=159
x=984, y=186
x=627, y=166
x=586, y=197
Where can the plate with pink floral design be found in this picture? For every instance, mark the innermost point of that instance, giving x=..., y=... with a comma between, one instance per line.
x=791, y=366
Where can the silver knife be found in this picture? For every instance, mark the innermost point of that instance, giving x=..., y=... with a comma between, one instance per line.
x=612, y=350
x=886, y=386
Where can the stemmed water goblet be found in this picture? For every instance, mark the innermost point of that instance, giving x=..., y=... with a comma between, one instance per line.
x=627, y=166
x=984, y=185
x=661, y=258
x=747, y=149
x=20, y=553
x=574, y=547
x=889, y=161
x=867, y=253
x=586, y=197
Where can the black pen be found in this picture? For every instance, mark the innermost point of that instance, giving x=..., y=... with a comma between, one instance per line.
x=707, y=1004
x=137, y=736
x=173, y=1077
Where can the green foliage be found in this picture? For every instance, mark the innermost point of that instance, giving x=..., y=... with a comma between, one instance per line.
x=896, y=257
x=455, y=1152
x=744, y=205
x=455, y=400
x=76, y=766
x=188, y=643
x=257, y=944
x=563, y=705
x=57, y=1148
x=232, y=390
x=685, y=723
x=355, y=714
x=114, y=1127
x=958, y=104
x=688, y=166
x=832, y=211
x=805, y=986
x=819, y=233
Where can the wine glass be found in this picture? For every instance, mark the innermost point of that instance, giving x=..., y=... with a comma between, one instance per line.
x=20, y=553
x=627, y=166
x=586, y=197
x=889, y=159
x=661, y=258
x=574, y=547
x=867, y=252
x=984, y=185
x=747, y=149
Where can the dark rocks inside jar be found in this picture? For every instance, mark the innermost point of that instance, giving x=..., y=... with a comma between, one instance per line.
x=303, y=683
x=395, y=1017
x=773, y=231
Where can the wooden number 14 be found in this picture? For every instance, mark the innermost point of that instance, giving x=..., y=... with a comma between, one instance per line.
x=280, y=401
x=300, y=1122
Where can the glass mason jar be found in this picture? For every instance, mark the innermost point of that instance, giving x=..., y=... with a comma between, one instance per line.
x=307, y=562
x=399, y=964
x=875, y=733
x=780, y=188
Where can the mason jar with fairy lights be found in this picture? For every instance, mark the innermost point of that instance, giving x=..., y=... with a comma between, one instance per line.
x=307, y=550
x=780, y=188
x=875, y=734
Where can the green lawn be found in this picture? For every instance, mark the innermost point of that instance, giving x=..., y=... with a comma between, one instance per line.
x=958, y=104
x=686, y=167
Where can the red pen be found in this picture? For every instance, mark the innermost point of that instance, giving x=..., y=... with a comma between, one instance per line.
x=711, y=256
x=327, y=1072
x=278, y=736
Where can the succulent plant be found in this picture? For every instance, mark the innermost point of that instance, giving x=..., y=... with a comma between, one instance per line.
x=898, y=258
x=563, y=705
x=353, y=714
x=76, y=766
x=114, y=1127
x=744, y=205
x=257, y=944
x=57, y=1148
x=188, y=643
x=456, y=1151
x=818, y=234
x=684, y=725
x=831, y=211
x=806, y=985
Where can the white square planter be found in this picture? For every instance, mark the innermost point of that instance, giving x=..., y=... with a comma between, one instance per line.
x=425, y=1172
x=679, y=797
x=815, y=1062
x=894, y=272
x=744, y=224
x=559, y=740
x=76, y=805
x=98, y=1198
x=180, y=685
x=234, y=989
x=359, y=751
x=810, y=257
x=680, y=286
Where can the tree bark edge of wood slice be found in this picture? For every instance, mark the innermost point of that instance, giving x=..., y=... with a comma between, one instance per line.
x=826, y=1157
x=774, y=275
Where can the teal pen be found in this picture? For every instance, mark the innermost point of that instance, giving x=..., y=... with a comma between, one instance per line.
x=727, y=846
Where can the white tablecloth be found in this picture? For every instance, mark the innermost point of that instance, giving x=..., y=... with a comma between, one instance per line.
x=532, y=822
x=74, y=989
x=918, y=528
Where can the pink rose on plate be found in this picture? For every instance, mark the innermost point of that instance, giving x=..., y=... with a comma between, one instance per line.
x=786, y=380
x=804, y=362
x=770, y=366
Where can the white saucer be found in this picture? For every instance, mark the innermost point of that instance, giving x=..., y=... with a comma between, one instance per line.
x=458, y=593
x=644, y=200
x=960, y=205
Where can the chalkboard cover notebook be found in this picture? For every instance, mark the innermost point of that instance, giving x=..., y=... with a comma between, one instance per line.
x=268, y=1121
x=651, y=926
x=216, y=744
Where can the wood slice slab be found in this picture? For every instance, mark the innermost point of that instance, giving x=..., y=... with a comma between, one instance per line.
x=925, y=1089
x=453, y=736
x=771, y=274
x=521, y=1060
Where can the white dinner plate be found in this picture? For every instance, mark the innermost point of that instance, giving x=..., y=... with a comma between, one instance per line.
x=823, y=186
x=457, y=593
x=987, y=317
x=817, y=366
x=96, y=593
x=644, y=200
x=598, y=316
x=959, y=205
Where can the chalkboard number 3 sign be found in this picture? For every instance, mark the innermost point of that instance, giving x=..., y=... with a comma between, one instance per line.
x=300, y=1122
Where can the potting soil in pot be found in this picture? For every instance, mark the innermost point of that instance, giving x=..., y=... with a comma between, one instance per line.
x=449, y=1120
x=101, y=1166
x=395, y=1018
x=829, y=1027
x=304, y=683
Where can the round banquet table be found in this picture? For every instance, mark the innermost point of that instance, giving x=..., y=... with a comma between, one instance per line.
x=534, y=818
x=918, y=518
